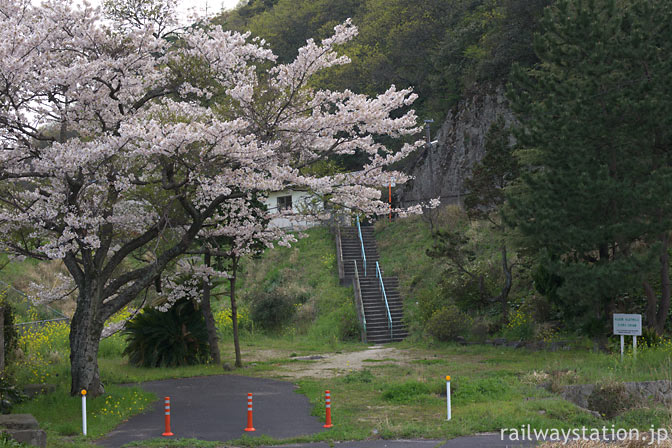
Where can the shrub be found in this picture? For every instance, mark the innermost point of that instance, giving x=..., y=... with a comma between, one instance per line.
x=271, y=310
x=521, y=326
x=224, y=322
x=348, y=324
x=650, y=338
x=9, y=395
x=41, y=348
x=480, y=330
x=176, y=337
x=448, y=323
x=610, y=399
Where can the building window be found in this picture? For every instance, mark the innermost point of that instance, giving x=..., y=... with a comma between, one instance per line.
x=284, y=203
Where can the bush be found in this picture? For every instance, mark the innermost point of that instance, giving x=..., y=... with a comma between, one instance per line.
x=224, y=322
x=521, y=327
x=41, y=349
x=348, y=324
x=610, y=399
x=448, y=323
x=650, y=338
x=480, y=330
x=9, y=395
x=176, y=337
x=271, y=310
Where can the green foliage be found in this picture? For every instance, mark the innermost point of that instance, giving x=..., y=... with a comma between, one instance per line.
x=6, y=441
x=480, y=390
x=176, y=337
x=306, y=277
x=360, y=376
x=448, y=323
x=9, y=330
x=272, y=310
x=610, y=399
x=521, y=326
x=439, y=47
x=492, y=174
x=405, y=393
x=596, y=189
x=650, y=338
x=43, y=348
x=9, y=394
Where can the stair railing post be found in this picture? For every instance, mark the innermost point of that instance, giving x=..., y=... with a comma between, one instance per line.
x=360, y=301
x=381, y=286
x=361, y=242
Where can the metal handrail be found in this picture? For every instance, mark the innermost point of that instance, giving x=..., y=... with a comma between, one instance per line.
x=358, y=295
x=379, y=275
x=361, y=242
x=339, y=255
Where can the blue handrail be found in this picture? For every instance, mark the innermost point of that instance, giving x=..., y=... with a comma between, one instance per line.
x=379, y=275
x=361, y=242
x=361, y=301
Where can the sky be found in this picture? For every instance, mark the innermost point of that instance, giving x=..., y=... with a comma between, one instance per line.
x=185, y=6
x=212, y=6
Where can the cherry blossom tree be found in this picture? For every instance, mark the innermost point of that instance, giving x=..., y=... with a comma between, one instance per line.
x=117, y=142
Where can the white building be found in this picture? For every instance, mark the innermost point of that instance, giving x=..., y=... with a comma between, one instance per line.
x=300, y=208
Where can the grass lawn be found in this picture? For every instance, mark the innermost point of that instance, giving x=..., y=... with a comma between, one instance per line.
x=400, y=395
x=394, y=392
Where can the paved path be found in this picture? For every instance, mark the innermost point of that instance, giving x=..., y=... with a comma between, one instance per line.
x=478, y=441
x=215, y=408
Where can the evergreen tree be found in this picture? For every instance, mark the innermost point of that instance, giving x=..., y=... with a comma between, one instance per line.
x=597, y=151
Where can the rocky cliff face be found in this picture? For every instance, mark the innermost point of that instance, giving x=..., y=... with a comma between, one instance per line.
x=440, y=171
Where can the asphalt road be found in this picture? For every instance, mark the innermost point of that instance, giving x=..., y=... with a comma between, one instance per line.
x=215, y=408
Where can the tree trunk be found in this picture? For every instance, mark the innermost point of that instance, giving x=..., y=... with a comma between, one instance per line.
x=504, y=295
x=2, y=340
x=658, y=308
x=234, y=311
x=206, y=309
x=85, y=332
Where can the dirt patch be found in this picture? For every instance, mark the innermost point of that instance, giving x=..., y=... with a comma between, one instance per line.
x=260, y=355
x=333, y=364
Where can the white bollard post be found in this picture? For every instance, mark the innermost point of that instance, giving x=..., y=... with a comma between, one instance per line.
x=84, y=411
x=448, y=396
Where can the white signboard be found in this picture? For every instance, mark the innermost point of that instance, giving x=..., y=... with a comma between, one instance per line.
x=628, y=324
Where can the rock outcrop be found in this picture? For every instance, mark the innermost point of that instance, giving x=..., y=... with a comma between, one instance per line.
x=440, y=171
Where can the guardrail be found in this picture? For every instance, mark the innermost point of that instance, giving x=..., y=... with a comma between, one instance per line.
x=379, y=275
x=359, y=301
x=361, y=242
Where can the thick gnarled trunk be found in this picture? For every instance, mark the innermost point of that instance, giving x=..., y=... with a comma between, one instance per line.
x=85, y=331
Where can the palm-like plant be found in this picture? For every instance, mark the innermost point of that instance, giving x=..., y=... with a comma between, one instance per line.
x=176, y=337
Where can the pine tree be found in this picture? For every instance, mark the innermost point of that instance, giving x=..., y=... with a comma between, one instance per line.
x=596, y=145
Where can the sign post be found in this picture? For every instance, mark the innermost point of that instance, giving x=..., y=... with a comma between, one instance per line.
x=628, y=325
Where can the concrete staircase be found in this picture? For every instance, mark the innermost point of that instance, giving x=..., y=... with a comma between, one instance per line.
x=375, y=311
